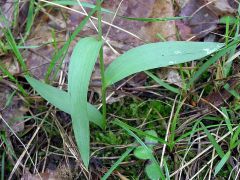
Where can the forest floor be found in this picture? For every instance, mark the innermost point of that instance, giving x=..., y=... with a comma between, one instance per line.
x=185, y=115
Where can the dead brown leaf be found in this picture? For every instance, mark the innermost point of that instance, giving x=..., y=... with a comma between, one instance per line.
x=7, y=8
x=11, y=112
x=201, y=20
x=61, y=173
x=221, y=7
x=11, y=65
x=161, y=9
x=38, y=59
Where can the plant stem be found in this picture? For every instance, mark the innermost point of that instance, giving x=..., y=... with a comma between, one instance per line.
x=104, y=107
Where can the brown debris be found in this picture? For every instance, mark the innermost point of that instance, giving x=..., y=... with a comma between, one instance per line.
x=201, y=20
x=203, y=16
x=13, y=112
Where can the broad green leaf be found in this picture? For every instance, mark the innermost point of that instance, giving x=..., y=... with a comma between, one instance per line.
x=149, y=140
x=61, y=99
x=141, y=153
x=81, y=66
x=157, y=55
x=222, y=163
x=152, y=171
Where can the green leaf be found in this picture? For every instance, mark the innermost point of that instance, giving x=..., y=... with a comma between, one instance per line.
x=30, y=18
x=12, y=78
x=81, y=66
x=227, y=119
x=59, y=57
x=149, y=140
x=84, y=4
x=147, y=149
x=234, y=140
x=157, y=55
x=155, y=19
x=162, y=83
x=152, y=171
x=167, y=174
x=228, y=19
x=139, y=132
x=231, y=91
x=222, y=162
x=213, y=141
x=89, y=5
x=61, y=99
x=116, y=164
x=141, y=153
x=211, y=61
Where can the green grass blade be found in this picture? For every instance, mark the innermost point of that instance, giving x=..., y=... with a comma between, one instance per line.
x=89, y=5
x=81, y=66
x=15, y=13
x=12, y=44
x=227, y=66
x=222, y=163
x=232, y=91
x=3, y=165
x=174, y=126
x=213, y=141
x=11, y=41
x=211, y=61
x=30, y=18
x=116, y=164
x=227, y=120
x=157, y=55
x=12, y=78
x=84, y=4
x=61, y=100
x=62, y=52
x=154, y=19
x=167, y=174
x=142, y=133
x=9, y=148
x=234, y=140
x=162, y=83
